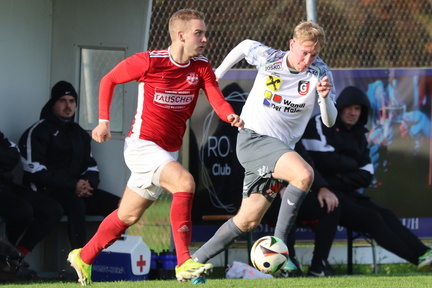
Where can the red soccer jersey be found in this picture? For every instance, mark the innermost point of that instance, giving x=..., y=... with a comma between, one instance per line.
x=167, y=95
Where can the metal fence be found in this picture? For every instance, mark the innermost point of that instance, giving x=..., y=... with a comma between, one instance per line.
x=360, y=33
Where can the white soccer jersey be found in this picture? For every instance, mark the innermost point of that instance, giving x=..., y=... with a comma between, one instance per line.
x=280, y=102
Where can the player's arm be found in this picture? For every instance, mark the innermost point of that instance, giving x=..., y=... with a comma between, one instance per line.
x=234, y=56
x=127, y=70
x=222, y=108
x=217, y=100
x=326, y=103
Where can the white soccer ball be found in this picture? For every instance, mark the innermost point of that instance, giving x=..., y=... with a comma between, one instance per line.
x=269, y=254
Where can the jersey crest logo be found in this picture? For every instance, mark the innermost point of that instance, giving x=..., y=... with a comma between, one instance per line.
x=303, y=87
x=273, y=83
x=192, y=79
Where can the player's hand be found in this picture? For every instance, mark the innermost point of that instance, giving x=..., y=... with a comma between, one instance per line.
x=102, y=132
x=83, y=188
x=324, y=87
x=235, y=121
x=325, y=196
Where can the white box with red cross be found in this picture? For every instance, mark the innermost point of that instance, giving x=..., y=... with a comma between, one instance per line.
x=127, y=259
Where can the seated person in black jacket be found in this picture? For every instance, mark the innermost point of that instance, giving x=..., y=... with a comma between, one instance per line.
x=341, y=156
x=57, y=161
x=29, y=216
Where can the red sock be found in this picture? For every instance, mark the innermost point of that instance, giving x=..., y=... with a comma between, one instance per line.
x=181, y=224
x=108, y=232
x=23, y=250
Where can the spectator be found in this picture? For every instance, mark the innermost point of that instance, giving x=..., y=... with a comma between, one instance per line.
x=341, y=156
x=29, y=216
x=57, y=161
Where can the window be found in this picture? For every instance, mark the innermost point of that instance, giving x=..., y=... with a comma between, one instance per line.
x=95, y=63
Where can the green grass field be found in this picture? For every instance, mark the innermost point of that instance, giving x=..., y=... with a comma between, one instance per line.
x=390, y=275
x=154, y=227
x=405, y=281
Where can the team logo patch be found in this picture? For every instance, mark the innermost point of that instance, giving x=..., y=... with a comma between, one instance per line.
x=303, y=87
x=268, y=94
x=274, y=66
x=192, y=78
x=175, y=99
x=273, y=190
x=277, y=98
x=273, y=83
x=277, y=102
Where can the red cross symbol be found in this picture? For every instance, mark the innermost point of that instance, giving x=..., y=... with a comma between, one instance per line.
x=141, y=263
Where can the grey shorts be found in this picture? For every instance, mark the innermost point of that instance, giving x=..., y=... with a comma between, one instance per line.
x=258, y=155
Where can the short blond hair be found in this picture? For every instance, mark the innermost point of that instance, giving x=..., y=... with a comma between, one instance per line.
x=310, y=31
x=180, y=18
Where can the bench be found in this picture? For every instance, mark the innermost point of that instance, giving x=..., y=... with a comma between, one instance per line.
x=350, y=237
x=49, y=257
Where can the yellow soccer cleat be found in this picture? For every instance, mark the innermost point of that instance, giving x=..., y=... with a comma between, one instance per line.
x=191, y=269
x=82, y=269
x=425, y=262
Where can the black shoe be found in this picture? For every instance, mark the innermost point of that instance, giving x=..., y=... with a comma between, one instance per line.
x=320, y=268
x=25, y=273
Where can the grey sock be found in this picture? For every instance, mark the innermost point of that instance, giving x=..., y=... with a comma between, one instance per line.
x=291, y=201
x=221, y=240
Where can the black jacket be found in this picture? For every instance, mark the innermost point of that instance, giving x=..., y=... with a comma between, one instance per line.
x=9, y=158
x=341, y=155
x=56, y=154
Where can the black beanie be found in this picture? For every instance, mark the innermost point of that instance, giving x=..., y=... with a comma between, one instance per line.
x=60, y=89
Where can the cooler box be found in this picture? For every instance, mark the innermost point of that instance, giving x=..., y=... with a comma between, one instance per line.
x=127, y=259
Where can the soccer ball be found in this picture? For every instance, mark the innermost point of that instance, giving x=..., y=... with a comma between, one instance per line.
x=269, y=254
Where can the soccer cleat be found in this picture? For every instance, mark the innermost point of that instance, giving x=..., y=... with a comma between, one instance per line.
x=289, y=266
x=425, y=262
x=82, y=269
x=199, y=280
x=191, y=269
x=291, y=269
x=321, y=268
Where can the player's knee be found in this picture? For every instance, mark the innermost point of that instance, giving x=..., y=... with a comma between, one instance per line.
x=248, y=226
x=307, y=176
x=187, y=184
x=131, y=220
x=253, y=225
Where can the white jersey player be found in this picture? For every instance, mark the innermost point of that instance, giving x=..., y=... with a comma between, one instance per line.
x=276, y=112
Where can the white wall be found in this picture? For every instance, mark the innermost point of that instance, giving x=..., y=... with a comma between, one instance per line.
x=101, y=24
x=39, y=46
x=25, y=48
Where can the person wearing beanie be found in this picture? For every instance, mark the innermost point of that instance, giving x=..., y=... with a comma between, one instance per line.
x=57, y=161
x=343, y=169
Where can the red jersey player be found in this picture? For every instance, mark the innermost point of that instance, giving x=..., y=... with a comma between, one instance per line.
x=169, y=85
